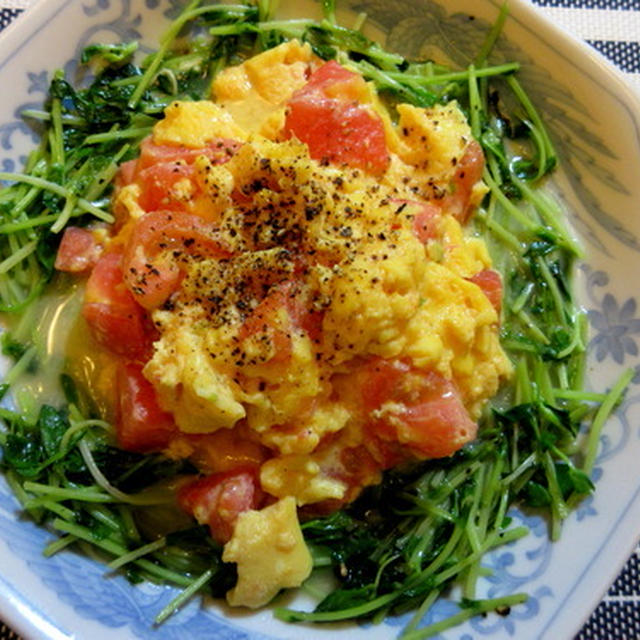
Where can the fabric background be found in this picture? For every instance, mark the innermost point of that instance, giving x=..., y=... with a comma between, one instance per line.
x=612, y=27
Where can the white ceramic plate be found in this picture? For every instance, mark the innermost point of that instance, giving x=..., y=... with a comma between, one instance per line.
x=595, y=121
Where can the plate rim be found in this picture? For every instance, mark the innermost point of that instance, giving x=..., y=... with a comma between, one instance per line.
x=36, y=17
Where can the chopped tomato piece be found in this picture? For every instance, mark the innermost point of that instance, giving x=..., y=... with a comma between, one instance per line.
x=218, y=152
x=167, y=186
x=116, y=321
x=338, y=133
x=425, y=217
x=167, y=178
x=381, y=381
x=425, y=221
x=304, y=317
x=142, y=425
x=270, y=324
x=78, y=251
x=491, y=284
x=218, y=500
x=159, y=244
x=279, y=314
x=335, y=127
x=468, y=173
x=439, y=424
x=329, y=74
x=419, y=409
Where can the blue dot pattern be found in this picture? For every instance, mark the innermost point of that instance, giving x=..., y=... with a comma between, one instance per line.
x=627, y=582
x=618, y=620
x=625, y=5
x=625, y=55
x=7, y=15
x=618, y=616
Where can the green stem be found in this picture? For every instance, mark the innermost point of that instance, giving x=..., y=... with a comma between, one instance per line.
x=21, y=254
x=118, y=550
x=138, y=553
x=477, y=608
x=58, y=190
x=58, y=545
x=191, y=12
x=288, y=615
x=121, y=134
x=613, y=397
x=186, y=595
x=61, y=493
x=492, y=36
x=454, y=76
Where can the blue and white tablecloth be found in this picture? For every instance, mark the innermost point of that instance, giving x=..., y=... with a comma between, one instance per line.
x=612, y=27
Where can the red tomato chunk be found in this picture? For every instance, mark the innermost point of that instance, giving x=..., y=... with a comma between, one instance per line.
x=335, y=127
x=278, y=315
x=162, y=186
x=218, y=500
x=151, y=154
x=142, y=426
x=490, y=282
x=166, y=175
x=116, y=320
x=468, y=173
x=160, y=241
x=425, y=413
x=78, y=251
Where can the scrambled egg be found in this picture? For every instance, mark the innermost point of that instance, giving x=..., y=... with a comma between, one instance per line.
x=270, y=552
x=326, y=274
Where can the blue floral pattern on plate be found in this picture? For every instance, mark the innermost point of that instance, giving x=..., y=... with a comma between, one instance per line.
x=81, y=584
x=615, y=323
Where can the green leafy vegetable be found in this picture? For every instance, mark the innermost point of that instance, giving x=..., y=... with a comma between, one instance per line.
x=114, y=53
x=428, y=525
